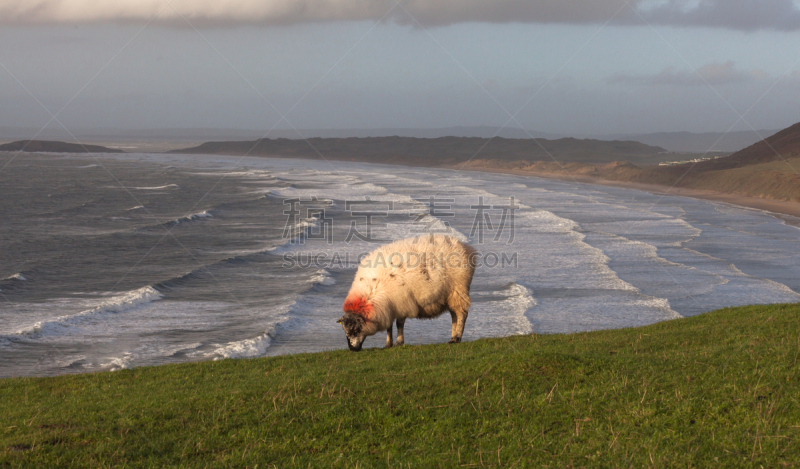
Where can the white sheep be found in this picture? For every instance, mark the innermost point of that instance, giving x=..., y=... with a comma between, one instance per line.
x=418, y=277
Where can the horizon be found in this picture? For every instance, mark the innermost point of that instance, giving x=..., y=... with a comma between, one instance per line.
x=177, y=138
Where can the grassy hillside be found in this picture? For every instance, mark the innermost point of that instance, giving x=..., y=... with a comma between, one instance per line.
x=782, y=145
x=719, y=389
x=438, y=151
x=777, y=179
x=768, y=169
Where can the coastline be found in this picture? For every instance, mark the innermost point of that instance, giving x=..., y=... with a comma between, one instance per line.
x=789, y=212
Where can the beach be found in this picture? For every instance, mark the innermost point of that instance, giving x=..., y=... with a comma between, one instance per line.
x=788, y=211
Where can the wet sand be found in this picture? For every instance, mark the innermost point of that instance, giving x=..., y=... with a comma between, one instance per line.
x=789, y=212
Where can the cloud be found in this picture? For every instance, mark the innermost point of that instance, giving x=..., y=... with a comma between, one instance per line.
x=428, y=12
x=734, y=14
x=712, y=74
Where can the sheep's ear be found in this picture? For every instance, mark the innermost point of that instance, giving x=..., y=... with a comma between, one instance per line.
x=340, y=320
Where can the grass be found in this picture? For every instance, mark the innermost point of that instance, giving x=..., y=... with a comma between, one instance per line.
x=721, y=389
x=774, y=180
x=777, y=180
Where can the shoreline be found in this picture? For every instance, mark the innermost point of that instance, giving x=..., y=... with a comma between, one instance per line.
x=789, y=212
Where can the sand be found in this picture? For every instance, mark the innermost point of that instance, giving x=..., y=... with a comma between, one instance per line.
x=789, y=212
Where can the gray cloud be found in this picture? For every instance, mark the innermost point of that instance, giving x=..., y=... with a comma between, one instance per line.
x=713, y=74
x=733, y=14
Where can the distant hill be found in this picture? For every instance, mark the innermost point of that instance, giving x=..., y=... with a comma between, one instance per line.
x=687, y=142
x=438, y=151
x=700, y=142
x=55, y=147
x=460, y=131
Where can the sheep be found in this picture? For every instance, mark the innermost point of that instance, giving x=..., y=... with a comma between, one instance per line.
x=418, y=277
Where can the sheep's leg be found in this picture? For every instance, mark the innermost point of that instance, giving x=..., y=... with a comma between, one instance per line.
x=459, y=321
x=458, y=304
x=388, y=337
x=454, y=338
x=401, y=322
x=462, y=321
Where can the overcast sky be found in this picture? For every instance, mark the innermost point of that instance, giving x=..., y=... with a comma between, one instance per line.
x=561, y=66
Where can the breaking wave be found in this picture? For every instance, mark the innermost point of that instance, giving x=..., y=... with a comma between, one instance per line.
x=114, y=305
x=155, y=188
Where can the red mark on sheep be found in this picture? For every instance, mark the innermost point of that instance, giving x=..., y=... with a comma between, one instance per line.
x=358, y=306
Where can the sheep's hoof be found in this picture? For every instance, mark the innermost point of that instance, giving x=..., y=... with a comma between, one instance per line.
x=455, y=340
x=399, y=343
x=387, y=346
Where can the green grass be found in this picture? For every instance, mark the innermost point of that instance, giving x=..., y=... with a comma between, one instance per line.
x=721, y=389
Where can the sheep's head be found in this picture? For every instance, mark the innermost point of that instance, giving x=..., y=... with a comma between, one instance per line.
x=356, y=328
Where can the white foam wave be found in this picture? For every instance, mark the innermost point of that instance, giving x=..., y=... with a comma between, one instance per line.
x=259, y=174
x=16, y=276
x=305, y=176
x=195, y=216
x=147, y=350
x=506, y=317
x=251, y=347
x=307, y=223
x=116, y=304
x=671, y=231
x=549, y=222
x=87, y=166
x=333, y=191
x=135, y=208
x=314, y=200
x=154, y=188
x=489, y=198
x=609, y=311
x=248, y=348
x=120, y=363
x=322, y=277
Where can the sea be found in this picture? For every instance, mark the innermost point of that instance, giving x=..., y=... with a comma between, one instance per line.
x=114, y=261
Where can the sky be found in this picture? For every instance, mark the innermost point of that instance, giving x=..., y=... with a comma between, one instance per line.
x=572, y=67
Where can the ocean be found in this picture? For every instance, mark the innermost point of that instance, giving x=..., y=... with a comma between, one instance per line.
x=115, y=261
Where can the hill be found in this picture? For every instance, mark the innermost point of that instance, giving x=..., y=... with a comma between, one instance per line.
x=37, y=146
x=769, y=169
x=780, y=146
x=685, y=142
x=438, y=151
x=716, y=389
